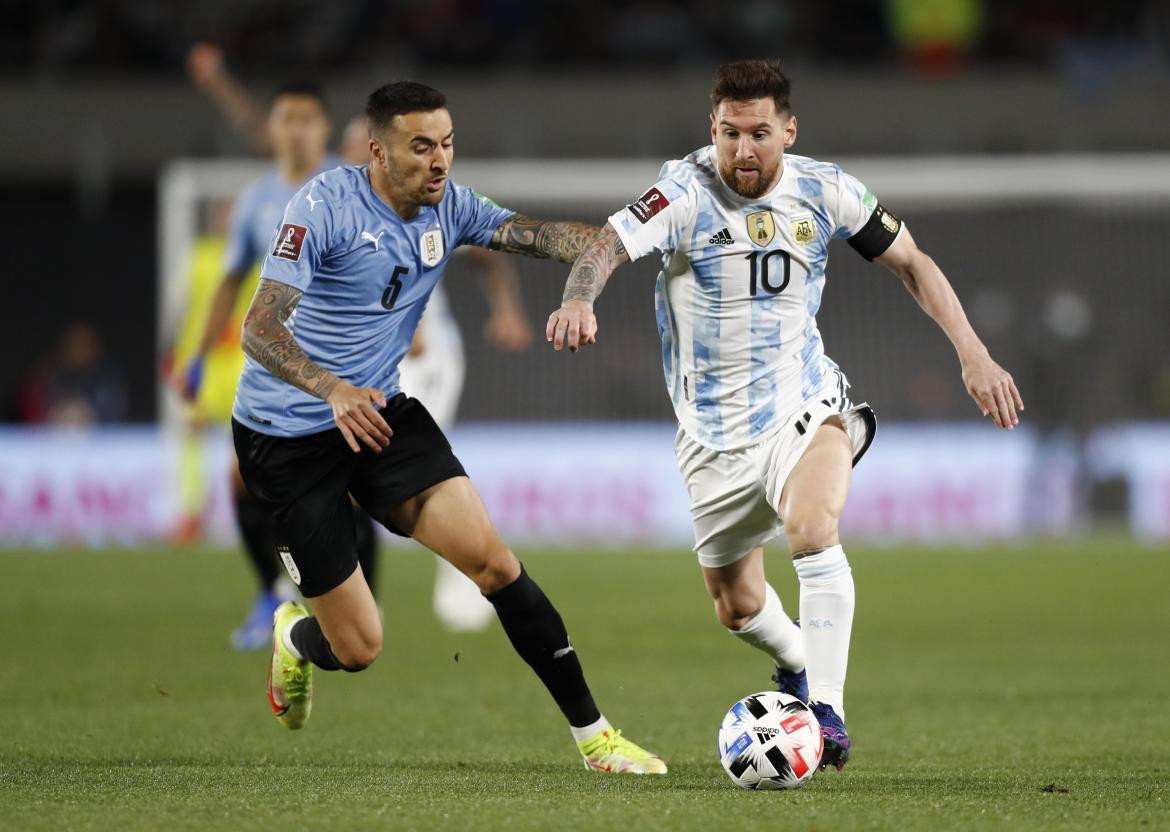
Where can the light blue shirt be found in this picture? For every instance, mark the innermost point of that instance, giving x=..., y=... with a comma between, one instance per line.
x=366, y=275
x=256, y=214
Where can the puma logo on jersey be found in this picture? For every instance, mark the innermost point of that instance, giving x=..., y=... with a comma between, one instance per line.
x=312, y=202
x=366, y=235
x=564, y=651
x=723, y=238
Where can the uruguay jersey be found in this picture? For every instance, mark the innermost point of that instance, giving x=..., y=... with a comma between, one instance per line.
x=366, y=274
x=257, y=211
x=740, y=286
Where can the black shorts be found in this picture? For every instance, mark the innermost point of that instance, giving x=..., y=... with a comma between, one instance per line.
x=306, y=483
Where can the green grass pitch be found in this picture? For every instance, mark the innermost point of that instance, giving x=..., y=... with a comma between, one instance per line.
x=989, y=687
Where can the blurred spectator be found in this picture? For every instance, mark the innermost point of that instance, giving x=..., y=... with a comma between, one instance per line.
x=84, y=387
x=935, y=37
x=297, y=37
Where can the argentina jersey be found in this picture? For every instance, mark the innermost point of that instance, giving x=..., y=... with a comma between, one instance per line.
x=740, y=286
x=366, y=274
x=257, y=212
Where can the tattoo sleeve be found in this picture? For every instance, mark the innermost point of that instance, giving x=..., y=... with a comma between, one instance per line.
x=593, y=268
x=267, y=340
x=563, y=241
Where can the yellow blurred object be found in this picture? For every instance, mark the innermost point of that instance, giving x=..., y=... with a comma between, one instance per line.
x=934, y=36
x=222, y=366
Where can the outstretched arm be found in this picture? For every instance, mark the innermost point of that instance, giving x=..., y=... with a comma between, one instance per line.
x=268, y=341
x=988, y=384
x=209, y=73
x=563, y=241
x=574, y=323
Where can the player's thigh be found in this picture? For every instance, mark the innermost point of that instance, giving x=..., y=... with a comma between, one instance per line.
x=303, y=483
x=737, y=588
x=350, y=620
x=730, y=513
x=450, y=519
x=815, y=492
x=417, y=488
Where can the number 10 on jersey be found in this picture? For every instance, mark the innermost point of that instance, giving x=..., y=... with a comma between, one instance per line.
x=761, y=265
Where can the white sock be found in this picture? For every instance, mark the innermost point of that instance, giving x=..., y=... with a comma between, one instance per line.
x=826, y=621
x=587, y=731
x=773, y=632
x=286, y=639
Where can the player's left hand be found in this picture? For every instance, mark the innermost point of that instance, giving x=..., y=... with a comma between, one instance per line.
x=992, y=388
x=573, y=325
x=509, y=331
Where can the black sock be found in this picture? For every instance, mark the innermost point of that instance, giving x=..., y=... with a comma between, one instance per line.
x=367, y=547
x=255, y=524
x=311, y=643
x=537, y=632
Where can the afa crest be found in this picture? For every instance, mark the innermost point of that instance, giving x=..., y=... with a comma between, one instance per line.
x=804, y=230
x=761, y=227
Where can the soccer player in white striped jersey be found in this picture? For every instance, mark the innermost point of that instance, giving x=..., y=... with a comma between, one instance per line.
x=768, y=435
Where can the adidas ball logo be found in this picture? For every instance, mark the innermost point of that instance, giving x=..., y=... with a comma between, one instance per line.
x=723, y=238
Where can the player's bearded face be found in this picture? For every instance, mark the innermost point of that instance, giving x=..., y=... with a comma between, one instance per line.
x=418, y=155
x=750, y=138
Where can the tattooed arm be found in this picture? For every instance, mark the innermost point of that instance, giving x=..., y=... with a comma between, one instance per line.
x=574, y=323
x=563, y=241
x=269, y=342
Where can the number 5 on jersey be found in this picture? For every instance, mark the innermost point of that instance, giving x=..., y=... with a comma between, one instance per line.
x=390, y=296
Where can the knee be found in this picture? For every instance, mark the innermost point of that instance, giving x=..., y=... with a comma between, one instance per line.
x=812, y=528
x=359, y=650
x=734, y=609
x=495, y=569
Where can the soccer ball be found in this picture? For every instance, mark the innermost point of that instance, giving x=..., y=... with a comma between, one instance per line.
x=770, y=740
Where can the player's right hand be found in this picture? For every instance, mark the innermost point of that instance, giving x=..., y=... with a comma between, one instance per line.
x=573, y=325
x=204, y=64
x=355, y=410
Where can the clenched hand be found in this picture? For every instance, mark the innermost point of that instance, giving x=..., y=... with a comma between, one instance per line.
x=573, y=325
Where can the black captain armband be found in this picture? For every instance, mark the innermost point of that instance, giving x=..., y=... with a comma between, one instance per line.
x=877, y=235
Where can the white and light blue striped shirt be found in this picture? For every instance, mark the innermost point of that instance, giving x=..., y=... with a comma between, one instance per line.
x=740, y=288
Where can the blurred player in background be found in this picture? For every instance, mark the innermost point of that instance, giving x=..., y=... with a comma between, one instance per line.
x=298, y=130
x=320, y=415
x=203, y=272
x=767, y=433
x=433, y=370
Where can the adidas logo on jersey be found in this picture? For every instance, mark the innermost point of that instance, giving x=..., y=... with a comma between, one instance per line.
x=723, y=238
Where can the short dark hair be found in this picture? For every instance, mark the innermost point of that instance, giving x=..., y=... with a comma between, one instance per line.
x=747, y=80
x=300, y=86
x=398, y=98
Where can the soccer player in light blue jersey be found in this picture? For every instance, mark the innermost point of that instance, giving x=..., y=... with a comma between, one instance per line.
x=297, y=130
x=768, y=434
x=319, y=415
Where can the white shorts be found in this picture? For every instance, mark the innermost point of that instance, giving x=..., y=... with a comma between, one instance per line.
x=735, y=495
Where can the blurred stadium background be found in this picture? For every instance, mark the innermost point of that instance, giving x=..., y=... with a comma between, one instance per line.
x=1028, y=145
